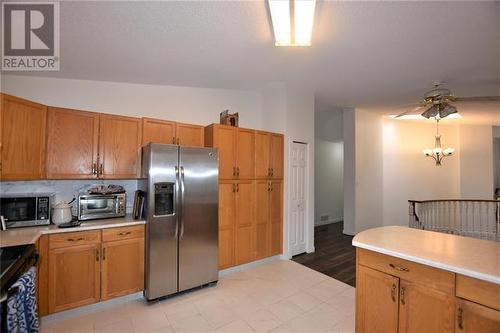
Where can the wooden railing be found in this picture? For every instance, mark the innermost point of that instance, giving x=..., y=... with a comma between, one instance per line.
x=473, y=218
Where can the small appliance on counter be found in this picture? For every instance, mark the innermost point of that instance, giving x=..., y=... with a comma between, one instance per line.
x=61, y=213
x=101, y=206
x=25, y=210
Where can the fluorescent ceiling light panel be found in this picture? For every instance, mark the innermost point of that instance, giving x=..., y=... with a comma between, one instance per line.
x=280, y=15
x=292, y=21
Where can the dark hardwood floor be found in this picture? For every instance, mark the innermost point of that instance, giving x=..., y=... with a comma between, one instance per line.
x=335, y=256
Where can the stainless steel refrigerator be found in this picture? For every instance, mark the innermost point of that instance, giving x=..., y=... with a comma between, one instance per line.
x=181, y=185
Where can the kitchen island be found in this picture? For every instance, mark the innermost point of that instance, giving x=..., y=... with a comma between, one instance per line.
x=410, y=280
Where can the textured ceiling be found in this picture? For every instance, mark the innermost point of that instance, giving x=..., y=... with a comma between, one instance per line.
x=364, y=54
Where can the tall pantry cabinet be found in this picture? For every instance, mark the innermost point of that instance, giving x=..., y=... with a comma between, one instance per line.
x=250, y=193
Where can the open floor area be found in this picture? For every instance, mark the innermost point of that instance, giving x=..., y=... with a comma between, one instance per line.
x=280, y=296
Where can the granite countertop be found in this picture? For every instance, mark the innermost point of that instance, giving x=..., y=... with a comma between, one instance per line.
x=21, y=236
x=468, y=256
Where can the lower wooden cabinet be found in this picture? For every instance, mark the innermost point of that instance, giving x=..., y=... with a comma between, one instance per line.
x=396, y=295
x=89, y=266
x=269, y=218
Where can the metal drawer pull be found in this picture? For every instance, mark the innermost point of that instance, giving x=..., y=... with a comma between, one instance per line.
x=96, y=254
x=124, y=233
x=75, y=239
x=399, y=268
x=103, y=253
x=403, y=295
x=393, y=292
x=460, y=318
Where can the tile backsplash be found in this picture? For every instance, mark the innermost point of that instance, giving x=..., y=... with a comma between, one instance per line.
x=65, y=190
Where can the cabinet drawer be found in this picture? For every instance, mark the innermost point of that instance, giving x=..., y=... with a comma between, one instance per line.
x=74, y=238
x=478, y=291
x=113, y=234
x=409, y=271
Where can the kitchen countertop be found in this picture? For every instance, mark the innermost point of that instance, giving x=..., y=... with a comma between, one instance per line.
x=468, y=256
x=21, y=236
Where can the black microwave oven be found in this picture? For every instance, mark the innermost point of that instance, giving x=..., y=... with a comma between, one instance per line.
x=20, y=210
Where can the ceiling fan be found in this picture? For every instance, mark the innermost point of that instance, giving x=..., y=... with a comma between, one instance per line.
x=436, y=102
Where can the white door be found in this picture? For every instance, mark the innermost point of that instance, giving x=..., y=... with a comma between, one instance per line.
x=298, y=195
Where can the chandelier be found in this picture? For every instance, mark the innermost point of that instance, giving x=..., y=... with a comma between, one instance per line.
x=438, y=153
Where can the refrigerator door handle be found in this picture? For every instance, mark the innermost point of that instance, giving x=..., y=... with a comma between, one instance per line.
x=181, y=216
x=176, y=205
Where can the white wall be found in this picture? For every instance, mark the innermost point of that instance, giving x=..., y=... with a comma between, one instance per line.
x=329, y=165
x=349, y=181
x=408, y=174
x=290, y=110
x=184, y=104
x=476, y=162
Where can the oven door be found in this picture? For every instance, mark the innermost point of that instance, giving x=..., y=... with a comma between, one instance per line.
x=97, y=207
x=18, y=211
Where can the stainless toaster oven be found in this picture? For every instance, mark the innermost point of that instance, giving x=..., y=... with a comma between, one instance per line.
x=100, y=206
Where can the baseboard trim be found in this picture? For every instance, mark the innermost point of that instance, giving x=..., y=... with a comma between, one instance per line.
x=91, y=307
x=249, y=265
x=335, y=220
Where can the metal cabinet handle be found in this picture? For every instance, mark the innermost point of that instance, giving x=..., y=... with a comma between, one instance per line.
x=460, y=318
x=75, y=239
x=178, y=141
x=269, y=171
x=393, y=292
x=234, y=188
x=403, y=295
x=399, y=268
x=272, y=172
x=103, y=253
x=237, y=187
x=238, y=171
x=94, y=168
x=124, y=233
x=101, y=170
x=173, y=140
x=96, y=254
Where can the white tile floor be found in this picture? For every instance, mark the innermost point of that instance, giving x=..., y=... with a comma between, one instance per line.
x=281, y=296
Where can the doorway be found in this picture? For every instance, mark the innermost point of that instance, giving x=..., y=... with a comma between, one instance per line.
x=298, y=197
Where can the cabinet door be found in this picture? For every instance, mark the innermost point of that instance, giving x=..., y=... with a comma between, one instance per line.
x=72, y=143
x=423, y=309
x=227, y=217
x=74, y=277
x=376, y=301
x=277, y=152
x=157, y=131
x=262, y=228
x=262, y=151
x=22, y=143
x=190, y=135
x=122, y=268
x=225, y=140
x=276, y=217
x=120, y=142
x=245, y=154
x=472, y=317
x=244, y=244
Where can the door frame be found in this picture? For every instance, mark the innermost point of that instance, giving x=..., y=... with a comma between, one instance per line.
x=307, y=232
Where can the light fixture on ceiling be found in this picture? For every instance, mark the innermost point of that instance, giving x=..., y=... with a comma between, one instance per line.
x=438, y=153
x=292, y=21
x=420, y=117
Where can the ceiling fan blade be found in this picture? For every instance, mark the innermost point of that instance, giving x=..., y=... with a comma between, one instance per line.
x=477, y=99
x=431, y=112
x=409, y=111
x=447, y=110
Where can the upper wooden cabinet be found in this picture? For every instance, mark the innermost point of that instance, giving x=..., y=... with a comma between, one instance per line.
x=72, y=144
x=22, y=133
x=236, y=150
x=120, y=142
x=269, y=154
x=169, y=132
x=157, y=131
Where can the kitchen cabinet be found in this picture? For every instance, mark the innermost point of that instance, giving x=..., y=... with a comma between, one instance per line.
x=227, y=217
x=236, y=150
x=169, y=132
x=190, y=135
x=72, y=144
x=158, y=131
x=269, y=218
x=377, y=300
x=22, y=139
x=74, y=270
x=473, y=317
x=89, y=266
x=120, y=142
x=122, y=266
x=269, y=154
